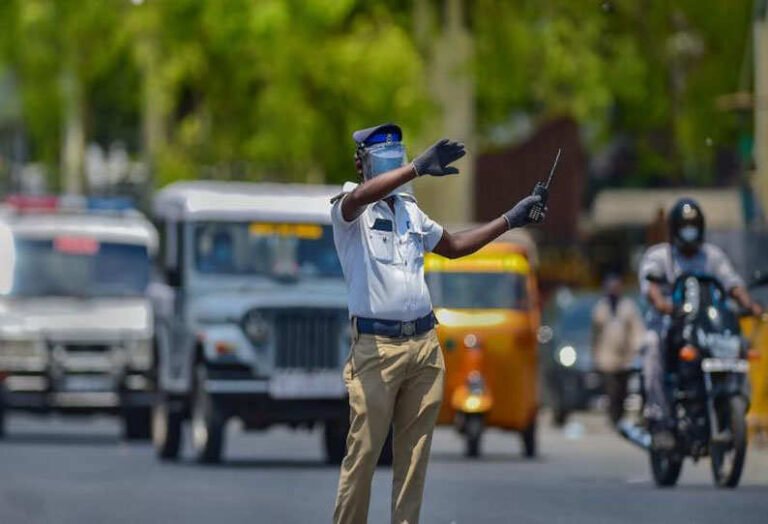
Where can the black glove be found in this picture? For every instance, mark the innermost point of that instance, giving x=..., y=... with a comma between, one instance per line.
x=435, y=160
x=518, y=215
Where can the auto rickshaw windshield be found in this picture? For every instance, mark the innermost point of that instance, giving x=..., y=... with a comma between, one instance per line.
x=474, y=290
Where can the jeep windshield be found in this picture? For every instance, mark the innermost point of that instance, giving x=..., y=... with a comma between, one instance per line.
x=78, y=266
x=473, y=290
x=262, y=248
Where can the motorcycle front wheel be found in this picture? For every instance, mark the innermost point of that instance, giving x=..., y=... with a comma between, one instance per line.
x=728, y=457
x=666, y=467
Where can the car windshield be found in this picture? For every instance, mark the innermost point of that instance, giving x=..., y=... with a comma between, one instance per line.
x=78, y=267
x=270, y=249
x=478, y=290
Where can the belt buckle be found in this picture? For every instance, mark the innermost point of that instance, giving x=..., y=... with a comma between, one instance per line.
x=408, y=328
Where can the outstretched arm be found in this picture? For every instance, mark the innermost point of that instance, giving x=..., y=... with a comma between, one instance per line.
x=455, y=245
x=434, y=161
x=374, y=190
x=742, y=297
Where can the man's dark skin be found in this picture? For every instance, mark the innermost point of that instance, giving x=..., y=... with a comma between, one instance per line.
x=451, y=245
x=657, y=299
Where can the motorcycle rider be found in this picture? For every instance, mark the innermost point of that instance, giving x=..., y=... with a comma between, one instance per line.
x=686, y=252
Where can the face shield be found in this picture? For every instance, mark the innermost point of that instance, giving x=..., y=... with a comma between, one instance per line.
x=380, y=158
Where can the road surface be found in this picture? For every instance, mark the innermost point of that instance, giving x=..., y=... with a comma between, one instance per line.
x=56, y=470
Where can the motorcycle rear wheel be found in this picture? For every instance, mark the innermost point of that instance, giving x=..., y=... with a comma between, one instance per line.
x=665, y=467
x=728, y=459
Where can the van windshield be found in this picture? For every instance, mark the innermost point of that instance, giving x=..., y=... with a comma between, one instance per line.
x=264, y=248
x=78, y=267
x=472, y=290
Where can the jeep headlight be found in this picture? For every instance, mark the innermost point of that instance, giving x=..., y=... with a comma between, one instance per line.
x=21, y=355
x=140, y=354
x=256, y=328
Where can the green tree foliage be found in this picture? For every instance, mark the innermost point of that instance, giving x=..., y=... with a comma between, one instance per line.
x=271, y=89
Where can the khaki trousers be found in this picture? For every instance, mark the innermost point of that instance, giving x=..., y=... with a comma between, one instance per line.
x=397, y=381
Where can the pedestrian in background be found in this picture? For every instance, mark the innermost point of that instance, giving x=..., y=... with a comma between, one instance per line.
x=394, y=373
x=617, y=332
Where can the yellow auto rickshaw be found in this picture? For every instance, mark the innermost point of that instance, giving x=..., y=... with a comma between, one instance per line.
x=488, y=313
x=756, y=331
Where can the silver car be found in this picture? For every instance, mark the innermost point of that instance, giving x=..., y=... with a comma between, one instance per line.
x=251, y=314
x=76, y=327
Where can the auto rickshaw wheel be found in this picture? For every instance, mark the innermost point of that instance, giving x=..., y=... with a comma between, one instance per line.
x=473, y=433
x=528, y=438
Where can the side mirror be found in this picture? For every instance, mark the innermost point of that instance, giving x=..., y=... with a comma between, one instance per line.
x=759, y=278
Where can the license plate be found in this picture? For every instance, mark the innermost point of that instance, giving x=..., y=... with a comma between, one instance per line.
x=299, y=384
x=87, y=384
x=722, y=365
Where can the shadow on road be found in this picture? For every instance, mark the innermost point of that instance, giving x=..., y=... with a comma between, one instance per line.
x=453, y=458
x=262, y=463
x=59, y=439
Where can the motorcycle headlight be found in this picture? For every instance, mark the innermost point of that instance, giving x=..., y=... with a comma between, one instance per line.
x=256, y=328
x=566, y=356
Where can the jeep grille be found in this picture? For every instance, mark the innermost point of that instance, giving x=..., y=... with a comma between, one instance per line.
x=307, y=338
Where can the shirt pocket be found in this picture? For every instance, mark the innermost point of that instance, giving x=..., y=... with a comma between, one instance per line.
x=415, y=248
x=381, y=245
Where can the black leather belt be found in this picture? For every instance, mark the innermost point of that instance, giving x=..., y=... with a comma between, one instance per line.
x=395, y=328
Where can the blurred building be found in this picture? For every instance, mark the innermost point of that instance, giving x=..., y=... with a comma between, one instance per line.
x=506, y=176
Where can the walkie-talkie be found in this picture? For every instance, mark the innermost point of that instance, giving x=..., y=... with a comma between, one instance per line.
x=536, y=214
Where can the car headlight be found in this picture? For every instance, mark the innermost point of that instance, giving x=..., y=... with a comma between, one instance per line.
x=256, y=328
x=140, y=354
x=566, y=356
x=21, y=355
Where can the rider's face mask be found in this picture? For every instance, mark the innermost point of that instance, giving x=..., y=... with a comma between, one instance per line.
x=380, y=158
x=689, y=234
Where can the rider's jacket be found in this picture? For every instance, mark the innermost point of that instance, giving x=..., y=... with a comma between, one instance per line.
x=663, y=263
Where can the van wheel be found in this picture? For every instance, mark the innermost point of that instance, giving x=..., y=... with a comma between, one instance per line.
x=137, y=423
x=208, y=420
x=166, y=429
x=528, y=437
x=335, y=440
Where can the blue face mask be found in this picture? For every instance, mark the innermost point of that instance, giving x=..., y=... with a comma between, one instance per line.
x=380, y=158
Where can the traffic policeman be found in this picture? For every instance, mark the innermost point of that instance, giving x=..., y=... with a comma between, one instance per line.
x=394, y=374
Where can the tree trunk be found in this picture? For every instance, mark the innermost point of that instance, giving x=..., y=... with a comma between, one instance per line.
x=73, y=137
x=449, y=71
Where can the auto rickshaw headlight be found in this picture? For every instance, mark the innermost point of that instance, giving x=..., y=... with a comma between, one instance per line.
x=567, y=356
x=471, y=341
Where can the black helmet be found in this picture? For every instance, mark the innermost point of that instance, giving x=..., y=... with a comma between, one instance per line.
x=686, y=225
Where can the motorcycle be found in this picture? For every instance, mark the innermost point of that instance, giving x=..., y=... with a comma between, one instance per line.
x=706, y=377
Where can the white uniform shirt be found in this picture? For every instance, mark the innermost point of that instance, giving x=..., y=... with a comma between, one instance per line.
x=663, y=263
x=382, y=256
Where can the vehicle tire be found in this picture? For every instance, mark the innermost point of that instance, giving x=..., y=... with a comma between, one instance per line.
x=474, y=425
x=335, y=440
x=559, y=412
x=137, y=423
x=665, y=467
x=166, y=429
x=208, y=421
x=2, y=412
x=728, y=459
x=528, y=438
x=387, y=454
